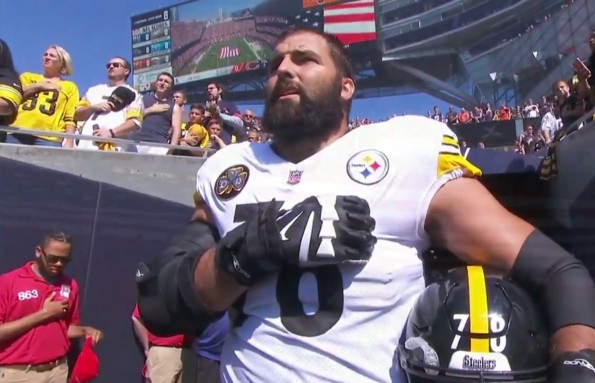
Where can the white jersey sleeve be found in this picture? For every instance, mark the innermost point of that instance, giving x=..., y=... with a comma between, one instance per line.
x=440, y=160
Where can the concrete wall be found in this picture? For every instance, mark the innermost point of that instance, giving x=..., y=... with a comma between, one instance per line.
x=169, y=177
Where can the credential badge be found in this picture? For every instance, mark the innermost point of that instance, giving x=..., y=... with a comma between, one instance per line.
x=367, y=167
x=65, y=291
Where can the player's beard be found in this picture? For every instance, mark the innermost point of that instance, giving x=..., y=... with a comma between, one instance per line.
x=310, y=118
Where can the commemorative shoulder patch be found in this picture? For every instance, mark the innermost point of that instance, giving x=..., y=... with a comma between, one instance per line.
x=231, y=182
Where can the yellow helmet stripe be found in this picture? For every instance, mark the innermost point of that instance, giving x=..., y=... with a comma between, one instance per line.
x=478, y=308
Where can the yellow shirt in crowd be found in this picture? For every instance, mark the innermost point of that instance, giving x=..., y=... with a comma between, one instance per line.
x=198, y=131
x=49, y=110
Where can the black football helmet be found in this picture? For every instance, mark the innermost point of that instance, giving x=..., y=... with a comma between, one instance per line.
x=474, y=327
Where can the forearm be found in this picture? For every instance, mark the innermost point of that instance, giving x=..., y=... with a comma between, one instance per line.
x=30, y=90
x=175, y=136
x=216, y=289
x=126, y=127
x=70, y=129
x=83, y=113
x=571, y=339
x=141, y=333
x=12, y=330
x=583, y=89
x=232, y=124
x=6, y=108
x=76, y=331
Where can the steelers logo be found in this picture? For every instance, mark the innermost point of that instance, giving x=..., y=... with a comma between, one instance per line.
x=367, y=167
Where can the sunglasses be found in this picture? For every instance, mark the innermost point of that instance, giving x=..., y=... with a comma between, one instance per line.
x=115, y=65
x=54, y=259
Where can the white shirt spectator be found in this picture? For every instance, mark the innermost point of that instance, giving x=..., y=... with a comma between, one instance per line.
x=550, y=125
x=110, y=120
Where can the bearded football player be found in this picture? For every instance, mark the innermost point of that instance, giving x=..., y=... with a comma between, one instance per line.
x=315, y=238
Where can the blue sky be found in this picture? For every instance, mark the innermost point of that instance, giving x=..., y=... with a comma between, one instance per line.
x=94, y=31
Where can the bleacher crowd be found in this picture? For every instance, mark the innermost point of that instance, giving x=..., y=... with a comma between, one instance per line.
x=48, y=102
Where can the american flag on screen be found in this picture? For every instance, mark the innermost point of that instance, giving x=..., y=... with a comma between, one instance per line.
x=228, y=52
x=352, y=22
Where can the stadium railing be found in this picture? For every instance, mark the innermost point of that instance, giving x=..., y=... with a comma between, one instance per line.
x=199, y=152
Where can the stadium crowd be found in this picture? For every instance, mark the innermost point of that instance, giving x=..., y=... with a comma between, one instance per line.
x=47, y=102
x=216, y=122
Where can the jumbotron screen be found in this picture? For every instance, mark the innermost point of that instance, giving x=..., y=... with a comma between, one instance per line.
x=209, y=39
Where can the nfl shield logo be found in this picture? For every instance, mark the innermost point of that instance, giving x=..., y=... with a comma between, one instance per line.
x=295, y=177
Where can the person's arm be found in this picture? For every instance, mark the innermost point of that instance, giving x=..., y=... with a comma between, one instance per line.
x=11, y=93
x=216, y=289
x=78, y=331
x=10, y=330
x=134, y=117
x=467, y=220
x=140, y=331
x=69, y=122
x=172, y=278
x=84, y=109
x=176, y=124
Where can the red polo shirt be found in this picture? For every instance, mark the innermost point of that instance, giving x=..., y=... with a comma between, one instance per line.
x=179, y=341
x=22, y=293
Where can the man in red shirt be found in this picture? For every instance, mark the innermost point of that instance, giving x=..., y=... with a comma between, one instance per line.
x=39, y=314
x=169, y=359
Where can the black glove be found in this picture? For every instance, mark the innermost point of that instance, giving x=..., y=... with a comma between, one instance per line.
x=306, y=235
x=573, y=367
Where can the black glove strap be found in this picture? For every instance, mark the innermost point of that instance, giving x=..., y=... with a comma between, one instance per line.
x=228, y=262
x=575, y=367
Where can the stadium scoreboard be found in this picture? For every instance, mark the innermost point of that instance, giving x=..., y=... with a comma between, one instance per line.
x=210, y=40
x=151, y=47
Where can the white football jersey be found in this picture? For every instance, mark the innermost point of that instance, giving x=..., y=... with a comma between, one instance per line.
x=98, y=94
x=334, y=323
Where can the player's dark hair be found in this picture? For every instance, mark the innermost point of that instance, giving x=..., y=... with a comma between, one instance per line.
x=167, y=74
x=182, y=92
x=56, y=236
x=126, y=65
x=6, y=61
x=215, y=121
x=219, y=87
x=198, y=107
x=339, y=54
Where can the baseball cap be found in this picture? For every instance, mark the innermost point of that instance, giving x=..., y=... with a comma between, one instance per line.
x=86, y=367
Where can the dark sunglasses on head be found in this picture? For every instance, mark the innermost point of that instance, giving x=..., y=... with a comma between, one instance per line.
x=115, y=65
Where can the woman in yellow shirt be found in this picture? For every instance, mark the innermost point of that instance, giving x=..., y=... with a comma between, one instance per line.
x=49, y=101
